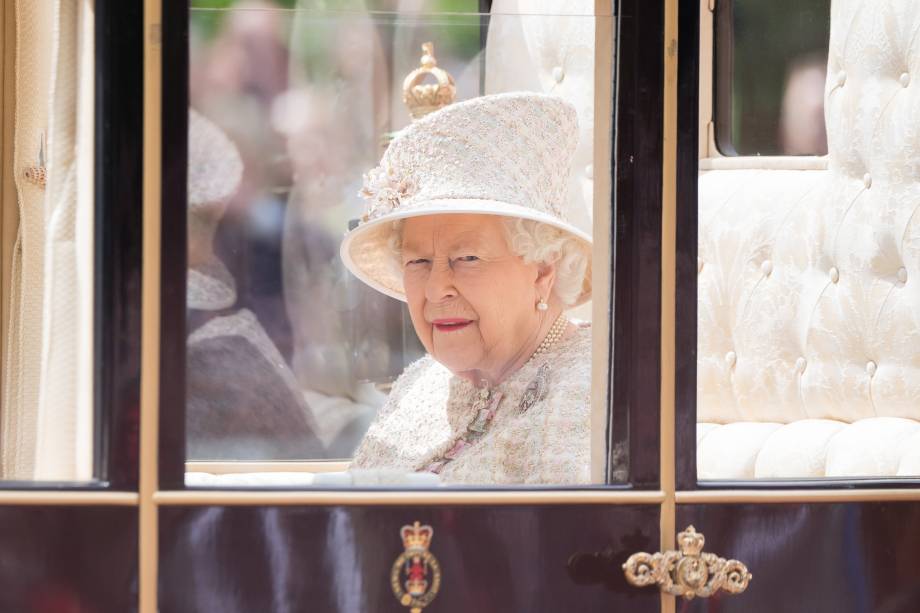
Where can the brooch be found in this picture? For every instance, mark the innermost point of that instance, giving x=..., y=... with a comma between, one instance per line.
x=536, y=390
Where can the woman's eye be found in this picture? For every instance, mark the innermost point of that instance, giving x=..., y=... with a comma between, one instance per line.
x=416, y=262
x=467, y=258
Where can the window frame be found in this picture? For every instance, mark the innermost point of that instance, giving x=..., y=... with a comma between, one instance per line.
x=717, y=64
x=633, y=368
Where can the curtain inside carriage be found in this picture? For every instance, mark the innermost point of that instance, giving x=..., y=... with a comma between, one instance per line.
x=46, y=430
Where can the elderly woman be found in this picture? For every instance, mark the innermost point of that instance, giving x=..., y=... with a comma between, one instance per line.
x=464, y=222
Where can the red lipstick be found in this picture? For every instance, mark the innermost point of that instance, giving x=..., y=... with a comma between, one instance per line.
x=450, y=324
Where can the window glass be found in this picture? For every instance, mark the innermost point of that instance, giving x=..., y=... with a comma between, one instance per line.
x=450, y=339
x=771, y=63
x=47, y=279
x=808, y=322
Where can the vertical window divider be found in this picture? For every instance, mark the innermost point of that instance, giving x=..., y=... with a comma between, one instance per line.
x=150, y=337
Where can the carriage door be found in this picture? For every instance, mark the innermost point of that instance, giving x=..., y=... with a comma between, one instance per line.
x=796, y=286
x=272, y=360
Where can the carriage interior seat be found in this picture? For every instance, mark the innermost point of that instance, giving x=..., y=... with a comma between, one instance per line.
x=809, y=280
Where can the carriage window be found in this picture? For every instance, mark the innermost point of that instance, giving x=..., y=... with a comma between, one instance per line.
x=390, y=223
x=46, y=242
x=809, y=311
x=770, y=67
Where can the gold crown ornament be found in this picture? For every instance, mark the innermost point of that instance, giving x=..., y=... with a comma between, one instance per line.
x=691, y=542
x=424, y=98
x=690, y=572
x=416, y=537
x=416, y=574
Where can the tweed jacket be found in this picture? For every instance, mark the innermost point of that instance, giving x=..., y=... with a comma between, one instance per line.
x=541, y=439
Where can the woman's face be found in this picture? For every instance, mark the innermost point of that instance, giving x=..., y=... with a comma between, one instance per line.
x=471, y=299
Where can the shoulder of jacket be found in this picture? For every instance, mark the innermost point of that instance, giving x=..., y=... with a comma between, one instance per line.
x=424, y=370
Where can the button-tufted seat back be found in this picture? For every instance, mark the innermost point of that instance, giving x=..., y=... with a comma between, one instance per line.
x=809, y=280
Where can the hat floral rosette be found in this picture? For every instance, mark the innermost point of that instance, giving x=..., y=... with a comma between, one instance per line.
x=503, y=154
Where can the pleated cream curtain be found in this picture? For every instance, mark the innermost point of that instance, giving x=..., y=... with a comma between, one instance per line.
x=46, y=421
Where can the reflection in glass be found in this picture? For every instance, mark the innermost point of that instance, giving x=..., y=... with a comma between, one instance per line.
x=772, y=61
x=290, y=355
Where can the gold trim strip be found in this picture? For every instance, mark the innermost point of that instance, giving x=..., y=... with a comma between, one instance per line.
x=64, y=499
x=706, y=148
x=604, y=45
x=797, y=496
x=668, y=288
x=150, y=315
x=9, y=207
x=340, y=498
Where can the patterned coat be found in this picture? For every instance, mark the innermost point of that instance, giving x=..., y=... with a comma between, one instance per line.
x=545, y=441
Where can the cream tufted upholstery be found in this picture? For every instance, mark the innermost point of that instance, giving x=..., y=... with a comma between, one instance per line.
x=809, y=281
x=548, y=47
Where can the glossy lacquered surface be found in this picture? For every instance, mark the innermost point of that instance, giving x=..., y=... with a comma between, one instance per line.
x=815, y=558
x=338, y=559
x=688, y=109
x=636, y=302
x=174, y=246
x=68, y=559
x=119, y=86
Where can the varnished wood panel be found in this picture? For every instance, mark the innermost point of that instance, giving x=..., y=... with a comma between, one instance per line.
x=688, y=68
x=117, y=264
x=174, y=247
x=68, y=559
x=338, y=559
x=814, y=558
x=636, y=301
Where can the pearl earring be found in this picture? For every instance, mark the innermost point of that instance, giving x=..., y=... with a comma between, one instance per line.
x=542, y=306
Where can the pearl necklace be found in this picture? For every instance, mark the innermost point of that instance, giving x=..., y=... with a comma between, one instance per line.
x=555, y=333
x=486, y=403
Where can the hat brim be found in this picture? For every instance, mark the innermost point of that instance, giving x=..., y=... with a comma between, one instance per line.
x=366, y=253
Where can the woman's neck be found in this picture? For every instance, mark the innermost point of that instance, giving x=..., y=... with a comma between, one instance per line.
x=492, y=377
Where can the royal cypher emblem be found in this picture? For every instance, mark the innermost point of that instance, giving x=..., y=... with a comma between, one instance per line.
x=416, y=574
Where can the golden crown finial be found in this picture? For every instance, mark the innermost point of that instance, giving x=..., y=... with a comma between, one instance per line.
x=429, y=61
x=416, y=537
x=423, y=98
x=691, y=542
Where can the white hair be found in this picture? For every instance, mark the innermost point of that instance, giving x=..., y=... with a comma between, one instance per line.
x=534, y=242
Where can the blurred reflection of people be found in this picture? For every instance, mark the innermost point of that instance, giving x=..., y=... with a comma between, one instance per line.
x=237, y=72
x=331, y=118
x=242, y=400
x=801, y=123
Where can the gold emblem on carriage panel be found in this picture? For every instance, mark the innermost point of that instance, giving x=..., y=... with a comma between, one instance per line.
x=416, y=574
x=689, y=572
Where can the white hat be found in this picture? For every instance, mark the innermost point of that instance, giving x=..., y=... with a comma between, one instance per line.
x=215, y=171
x=505, y=154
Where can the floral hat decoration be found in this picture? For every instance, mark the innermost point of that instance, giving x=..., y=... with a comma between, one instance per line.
x=504, y=154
